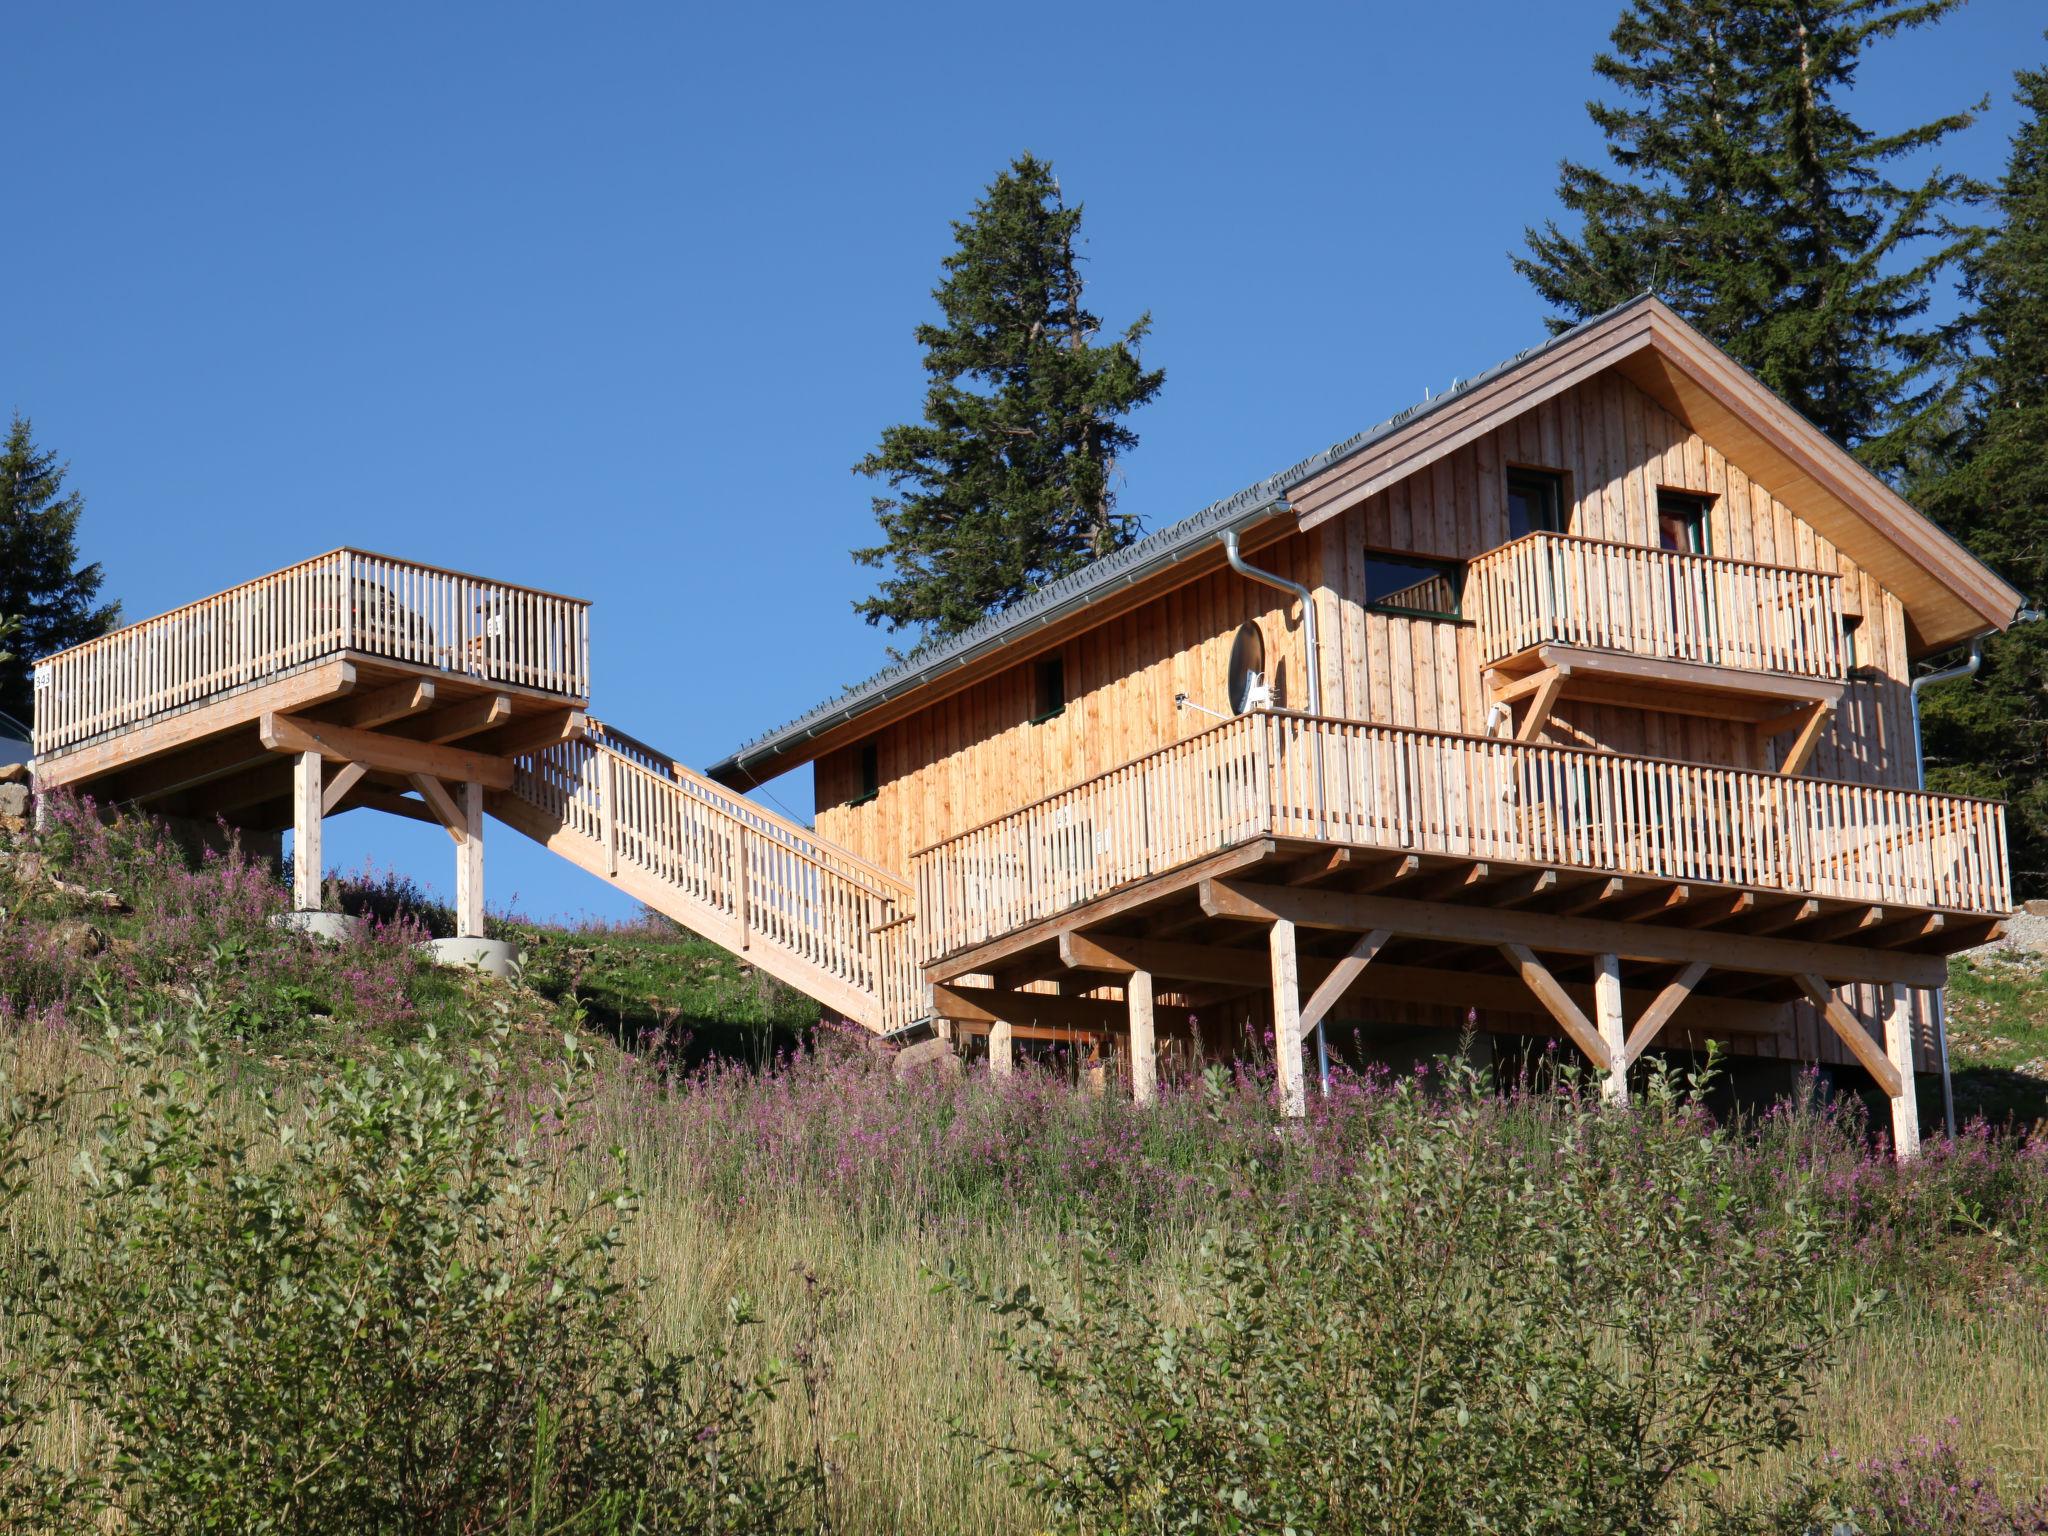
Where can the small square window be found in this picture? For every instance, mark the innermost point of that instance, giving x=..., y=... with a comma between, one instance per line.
x=1682, y=521
x=1049, y=689
x=1427, y=589
x=1535, y=502
x=870, y=774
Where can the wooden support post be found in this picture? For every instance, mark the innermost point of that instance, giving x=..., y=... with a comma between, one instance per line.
x=1607, y=1010
x=1898, y=1045
x=306, y=858
x=1002, y=1052
x=469, y=865
x=1287, y=1020
x=1144, y=1046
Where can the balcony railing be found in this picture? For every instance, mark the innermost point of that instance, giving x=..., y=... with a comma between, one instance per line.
x=342, y=602
x=1377, y=786
x=1551, y=589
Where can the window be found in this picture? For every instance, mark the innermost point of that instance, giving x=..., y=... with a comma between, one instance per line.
x=1535, y=502
x=1049, y=690
x=1424, y=588
x=870, y=774
x=1852, y=641
x=1682, y=521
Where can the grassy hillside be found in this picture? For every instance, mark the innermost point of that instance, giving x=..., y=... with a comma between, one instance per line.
x=798, y=1174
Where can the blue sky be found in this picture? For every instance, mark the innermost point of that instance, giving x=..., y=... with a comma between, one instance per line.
x=608, y=299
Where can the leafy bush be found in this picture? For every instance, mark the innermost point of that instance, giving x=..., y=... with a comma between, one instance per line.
x=33, y=1496
x=389, y=1312
x=1462, y=1333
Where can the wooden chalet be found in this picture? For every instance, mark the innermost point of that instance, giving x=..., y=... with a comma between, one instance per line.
x=1574, y=701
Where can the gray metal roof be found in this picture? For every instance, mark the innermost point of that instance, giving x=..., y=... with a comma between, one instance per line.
x=1125, y=567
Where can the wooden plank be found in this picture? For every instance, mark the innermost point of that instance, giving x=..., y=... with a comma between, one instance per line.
x=534, y=733
x=1898, y=1048
x=1338, y=982
x=1608, y=1020
x=386, y=754
x=967, y=1004
x=1541, y=706
x=1537, y=978
x=1868, y=1053
x=1222, y=897
x=1660, y=1012
x=469, y=864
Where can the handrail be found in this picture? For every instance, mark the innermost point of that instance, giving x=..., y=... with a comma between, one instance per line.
x=345, y=602
x=758, y=877
x=1586, y=538
x=1414, y=791
x=1657, y=603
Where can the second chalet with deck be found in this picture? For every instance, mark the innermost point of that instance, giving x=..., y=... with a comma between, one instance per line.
x=1574, y=701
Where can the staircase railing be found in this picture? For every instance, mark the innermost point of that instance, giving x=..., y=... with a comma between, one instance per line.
x=766, y=881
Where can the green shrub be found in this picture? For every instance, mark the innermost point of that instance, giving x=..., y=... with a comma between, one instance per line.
x=1462, y=1333
x=33, y=1496
x=387, y=1312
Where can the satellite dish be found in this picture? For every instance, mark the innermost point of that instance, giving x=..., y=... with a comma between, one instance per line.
x=1248, y=687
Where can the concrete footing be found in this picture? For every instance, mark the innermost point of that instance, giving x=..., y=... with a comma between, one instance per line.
x=494, y=956
x=335, y=927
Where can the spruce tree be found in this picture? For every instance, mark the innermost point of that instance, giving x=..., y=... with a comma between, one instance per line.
x=1007, y=483
x=41, y=582
x=1991, y=492
x=1744, y=194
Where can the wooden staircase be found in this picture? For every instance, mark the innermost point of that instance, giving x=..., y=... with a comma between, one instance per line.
x=807, y=912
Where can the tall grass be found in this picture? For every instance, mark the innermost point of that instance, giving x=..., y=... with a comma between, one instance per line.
x=832, y=1194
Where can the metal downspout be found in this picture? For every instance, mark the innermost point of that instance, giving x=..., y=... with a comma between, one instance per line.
x=1947, y=674
x=1228, y=538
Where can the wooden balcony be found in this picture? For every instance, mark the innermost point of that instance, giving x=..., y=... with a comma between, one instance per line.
x=1602, y=819
x=342, y=605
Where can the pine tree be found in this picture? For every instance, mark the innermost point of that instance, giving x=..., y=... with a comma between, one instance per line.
x=1008, y=481
x=41, y=582
x=1745, y=195
x=1991, y=492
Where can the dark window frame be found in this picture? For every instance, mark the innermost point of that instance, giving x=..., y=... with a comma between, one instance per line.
x=1699, y=504
x=1557, y=485
x=1456, y=570
x=869, y=764
x=1048, y=689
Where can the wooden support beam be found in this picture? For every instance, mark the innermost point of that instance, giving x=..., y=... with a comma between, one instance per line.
x=987, y=1005
x=380, y=706
x=1898, y=1049
x=1541, y=706
x=1608, y=1020
x=1002, y=1049
x=375, y=797
x=1239, y=970
x=1407, y=867
x=465, y=717
x=434, y=794
x=1339, y=981
x=1715, y=909
x=1537, y=978
x=1287, y=1019
x=534, y=733
x=1857, y=920
x=1597, y=894
x=1800, y=753
x=1451, y=882
x=1659, y=1013
x=346, y=779
x=469, y=865
x=1321, y=866
x=1844, y=1023
x=385, y=754
x=1138, y=996
x=306, y=813
x=1246, y=901
x=174, y=774
x=1512, y=690
x=1658, y=901
x=1521, y=890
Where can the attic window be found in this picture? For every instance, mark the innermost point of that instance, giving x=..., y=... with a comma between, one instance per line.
x=870, y=774
x=1535, y=502
x=1049, y=689
x=1682, y=521
x=1426, y=589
